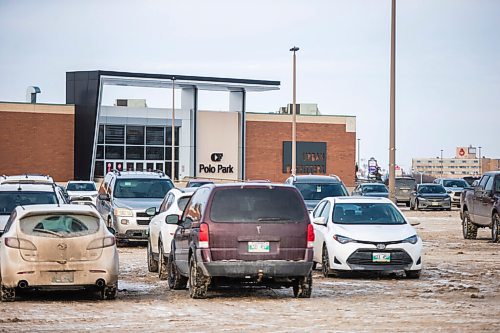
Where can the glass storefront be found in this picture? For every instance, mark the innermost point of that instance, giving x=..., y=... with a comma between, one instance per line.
x=136, y=148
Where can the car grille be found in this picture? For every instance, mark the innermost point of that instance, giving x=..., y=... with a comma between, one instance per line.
x=142, y=218
x=364, y=257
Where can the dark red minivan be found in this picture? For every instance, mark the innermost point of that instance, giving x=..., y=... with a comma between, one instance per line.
x=243, y=234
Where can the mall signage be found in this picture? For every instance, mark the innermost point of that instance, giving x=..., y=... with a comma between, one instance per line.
x=217, y=168
x=311, y=157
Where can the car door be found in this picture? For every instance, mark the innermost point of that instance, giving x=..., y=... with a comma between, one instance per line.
x=103, y=206
x=155, y=224
x=320, y=231
x=477, y=202
x=485, y=208
x=318, y=239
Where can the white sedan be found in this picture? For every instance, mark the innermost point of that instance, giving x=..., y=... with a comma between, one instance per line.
x=364, y=234
x=57, y=247
x=161, y=233
x=78, y=189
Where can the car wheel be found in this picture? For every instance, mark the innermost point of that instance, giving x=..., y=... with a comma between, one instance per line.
x=302, y=288
x=495, y=226
x=315, y=265
x=109, y=292
x=325, y=262
x=416, y=204
x=198, y=283
x=109, y=222
x=413, y=274
x=152, y=263
x=407, y=204
x=412, y=207
x=468, y=228
x=162, y=263
x=7, y=294
x=175, y=280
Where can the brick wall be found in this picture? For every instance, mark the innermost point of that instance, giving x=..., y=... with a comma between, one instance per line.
x=264, y=141
x=37, y=142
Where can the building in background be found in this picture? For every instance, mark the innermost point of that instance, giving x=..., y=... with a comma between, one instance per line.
x=465, y=163
x=310, y=109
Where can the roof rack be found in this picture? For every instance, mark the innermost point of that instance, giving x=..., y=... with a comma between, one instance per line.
x=162, y=174
x=257, y=181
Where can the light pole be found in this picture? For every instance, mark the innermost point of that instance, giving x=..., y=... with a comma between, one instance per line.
x=294, y=113
x=173, y=130
x=392, y=143
x=480, y=160
x=441, y=163
x=359, y=149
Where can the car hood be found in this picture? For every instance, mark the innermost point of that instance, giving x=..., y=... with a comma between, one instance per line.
x=3, y=221
x=454, y=189
x=137, y=203
x=81, y=193
x=376, y=194
x=376, y=232
x=310, y=204
x=433, y=195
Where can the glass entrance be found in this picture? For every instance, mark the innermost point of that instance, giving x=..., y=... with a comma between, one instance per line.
x=149, y=165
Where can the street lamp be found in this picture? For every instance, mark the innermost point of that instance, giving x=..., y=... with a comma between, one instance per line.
x=441, y=163
x=480, y=160
x=294, y=114
x=173, y=130
x=392, y=135
x=359, y=149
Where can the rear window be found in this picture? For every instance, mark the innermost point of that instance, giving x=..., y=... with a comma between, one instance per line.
x=59, y=225
x=9, y=200
x=405, y=182
x=455, y=183
x=80, y=187
x=366, y=213
x=312, y=191
x=257, y=205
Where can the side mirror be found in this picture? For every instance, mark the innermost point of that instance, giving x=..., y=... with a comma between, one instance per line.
x=172, y=219
x=319, y=220
x=112, y=230
x=414, y=223
x=151, y=211
x=103, y=196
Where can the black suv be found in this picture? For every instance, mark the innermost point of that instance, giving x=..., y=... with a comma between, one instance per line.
x=250, y=234
x=316, y=188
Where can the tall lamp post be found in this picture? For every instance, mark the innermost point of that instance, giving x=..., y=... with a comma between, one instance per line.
x=173, y=130
x=480, y=160
x=359, y=149
x=392, y=143
x=294, y=113
x=442, y=164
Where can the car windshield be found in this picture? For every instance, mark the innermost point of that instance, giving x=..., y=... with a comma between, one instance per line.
x=198, y=184
x=455, y=183
x=142, y=188
x=405, y=182
x=312, y=191
x=257, y=205
x=436, y=189
x=9, y=200
x=182, y=202
x=377, y=188
x=81, y=187
x=366, y=213
x=59, y=225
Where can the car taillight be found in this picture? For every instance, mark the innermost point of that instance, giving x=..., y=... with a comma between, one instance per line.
x=203, y=236
x=19, y=243
x=101, y=243
x=310, y=236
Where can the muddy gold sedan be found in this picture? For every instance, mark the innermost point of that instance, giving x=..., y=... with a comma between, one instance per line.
x=57, y=247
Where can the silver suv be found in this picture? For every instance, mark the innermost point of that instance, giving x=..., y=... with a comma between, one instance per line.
x=124, y=197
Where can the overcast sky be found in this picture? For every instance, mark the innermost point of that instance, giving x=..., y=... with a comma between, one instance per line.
x=448, y=59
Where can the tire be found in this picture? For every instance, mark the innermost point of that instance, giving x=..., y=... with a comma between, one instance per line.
x=315, y=265
x=495, y=227
x=162, y=263
x=302, y=288
x=152, y=263
x=413, y=274
x=325, y=262
x=175, y=280
x=198, y=283
x=109, y=222
x=448, y=209
x=412, y=207
x=7, y=294
x=416, y=205
x=109, y=292
x=468, y=228
x=407, y=204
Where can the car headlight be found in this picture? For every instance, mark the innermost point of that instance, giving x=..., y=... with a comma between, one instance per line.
x=343, y=239
x=412, y=239
x=447, y=199
x=422, y=199
x=123, y=212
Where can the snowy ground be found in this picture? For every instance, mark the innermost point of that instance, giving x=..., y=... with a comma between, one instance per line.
x=459, y=291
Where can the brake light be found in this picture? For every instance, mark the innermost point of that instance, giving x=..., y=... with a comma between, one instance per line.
x=310, y=236
x=19, y=243
x=102, y=243
x=203, y=236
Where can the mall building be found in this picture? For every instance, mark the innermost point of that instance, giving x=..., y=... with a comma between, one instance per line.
x=84, y=139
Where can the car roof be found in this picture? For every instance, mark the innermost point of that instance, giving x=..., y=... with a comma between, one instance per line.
x=359, y=200
x=20, y=187
x=316, y=179
x=248, y=184
x=26, y=178
x=363, y=184
x=199, y=180
x=139, y=174
x=81, y=181
x=54, y=208
x=432, y=184
x=490, y=173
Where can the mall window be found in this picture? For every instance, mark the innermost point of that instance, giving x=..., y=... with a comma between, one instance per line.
x=99, y=152
x=115, y=134
x=135, y=152
x=155, y=135
x=100, y=137
x=135, y=135
x=168, y=138
x=115, y=152
x=154, y=153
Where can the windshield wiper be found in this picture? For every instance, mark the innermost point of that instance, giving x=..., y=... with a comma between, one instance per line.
x=260, y=219
x=45, y=231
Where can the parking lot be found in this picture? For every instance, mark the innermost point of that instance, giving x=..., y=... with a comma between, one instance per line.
x=459, y=290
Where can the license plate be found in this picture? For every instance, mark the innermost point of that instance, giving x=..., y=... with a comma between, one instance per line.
x=435, y=203
x=63, y=277
x=258, y=247
x=381, y=257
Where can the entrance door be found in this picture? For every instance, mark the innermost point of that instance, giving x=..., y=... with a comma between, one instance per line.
x=134, y=165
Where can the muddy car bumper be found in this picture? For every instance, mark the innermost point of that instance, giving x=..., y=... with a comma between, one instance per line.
x=269, y=268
